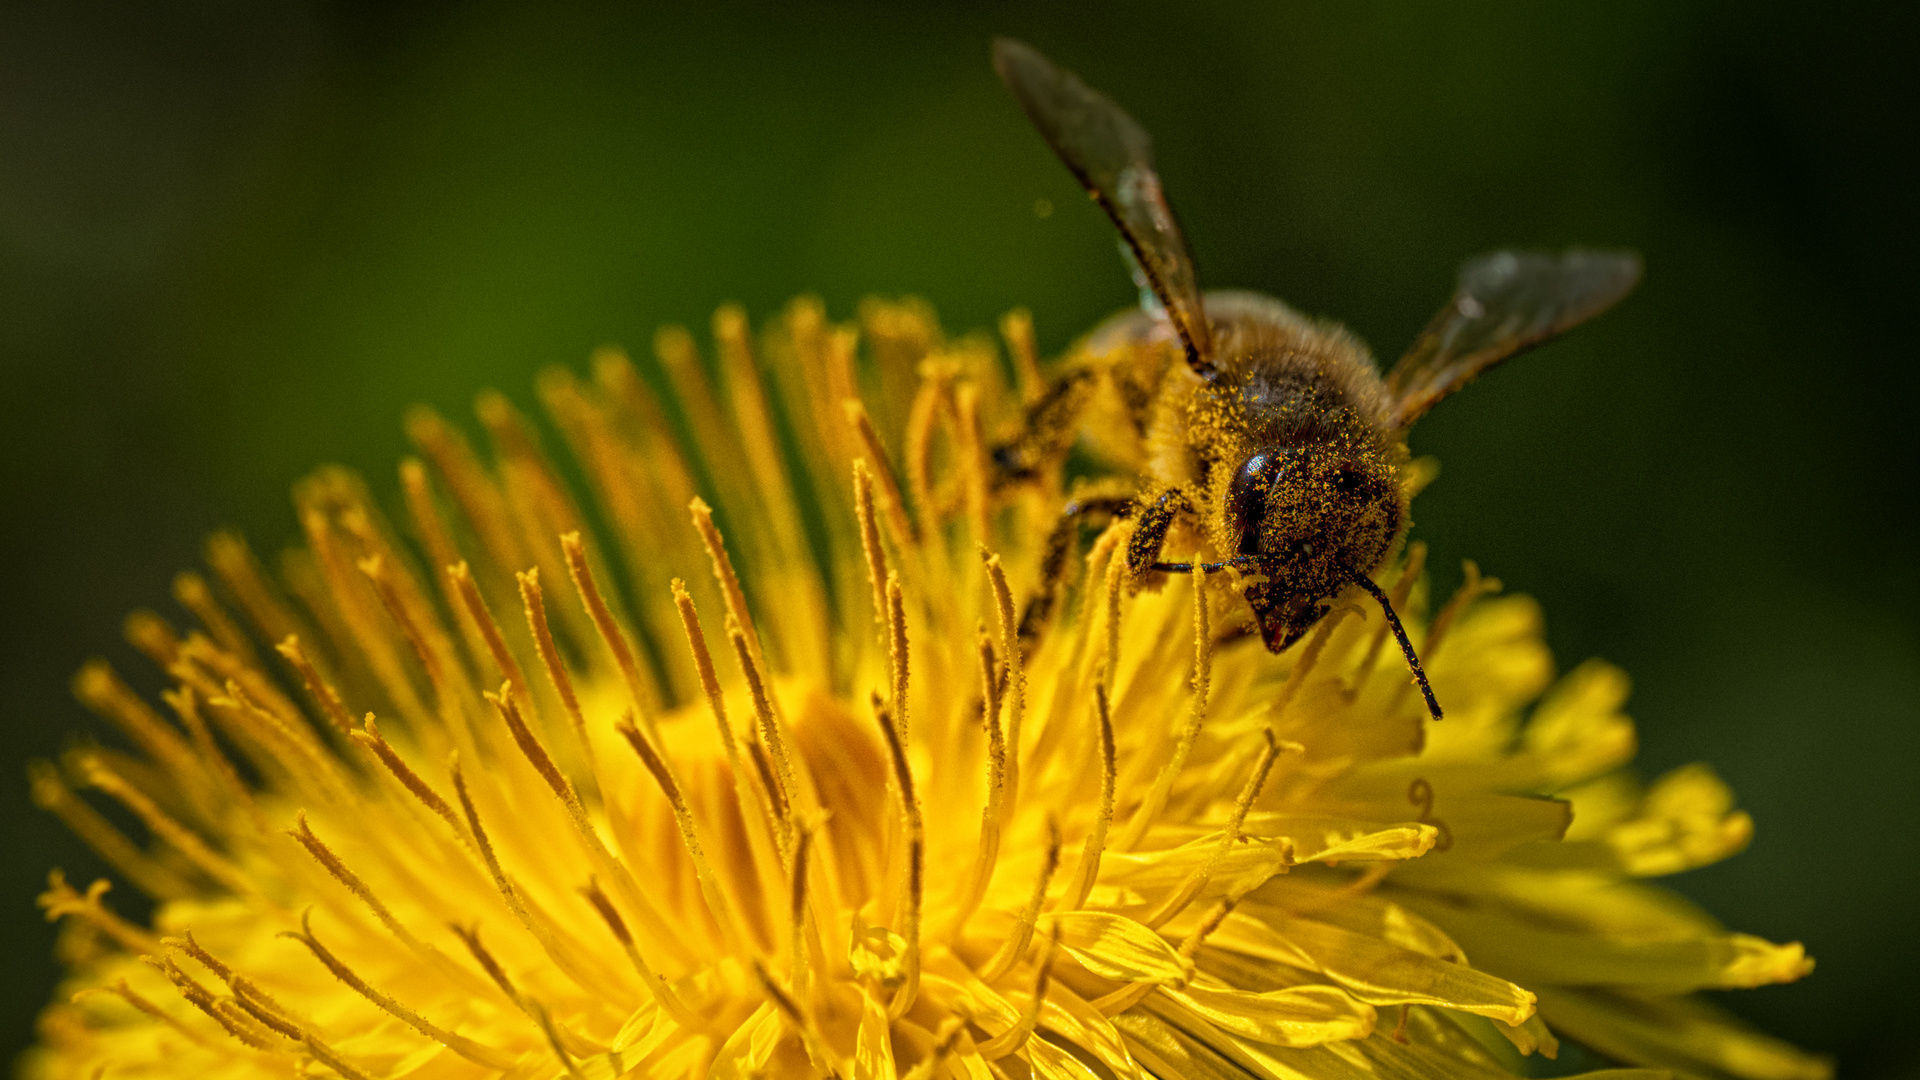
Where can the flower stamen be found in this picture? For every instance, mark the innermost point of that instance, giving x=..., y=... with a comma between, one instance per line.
x=645, y=696
x=1011, y=949
x=728, y=579
x=191, y=590
x=417, y=490
x=876, y=556
x=1016, y=670
x=303, y=834
x=322, y=691
x=440, y=676
x=1231, y=835
x=803, y=1026
x=680, y=357
x=898, y=653
x=913, y=886
x=62, y=899
x=892, y=505
x=161, y=824
x=535, y=604
x=119, y=988
x=293, y=748
x=517, y=903
x=467, y=592
x=185, y=705
x=1156, y=798
x=410, y=780
x=1089, y=867
x=928, y=403
x=798, y=918
x=556, y=1033
x=751, y=807
x=780, y=781
x=156, y=639
x=148, y=874
x=717, y=905
x=661, y=990
x=233, y=563
x=1003, y=745
x=101, y=690
x=345, y=592
x=1015, y=1037
x=972, y=461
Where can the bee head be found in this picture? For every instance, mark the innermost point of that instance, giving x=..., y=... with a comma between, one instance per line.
x=1313, y=512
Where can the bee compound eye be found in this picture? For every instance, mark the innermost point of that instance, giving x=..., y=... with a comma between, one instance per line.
x=1247, y=493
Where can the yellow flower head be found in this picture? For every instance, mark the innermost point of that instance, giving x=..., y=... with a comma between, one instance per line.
x=774, y=784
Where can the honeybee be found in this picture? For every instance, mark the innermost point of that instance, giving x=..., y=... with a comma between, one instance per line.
x=1277, y=440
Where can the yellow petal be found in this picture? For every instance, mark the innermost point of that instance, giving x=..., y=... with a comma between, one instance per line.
x=1249, y=863
x=1415, y=1058
x=1370, y=969
x=642, y=1028
x=1337, y=839
x=1420, y=1057
x=1479, y=821
x=1535, y=955
x=1578, y=731
x=1075, y=1018
x=1531, y=1037
x=1600, y=804
x=1314, y=718
x=1368, y=914
x=1052, y=1063
x=747, y=1052
x=1295, y=1016
x=1209, y=1051
x=1166, y=1051
x=1686, y=820
x=1677, y=1033
x=956, y=983
x=873, y=1044
x=1115, y=947
x=967, y=1062
x=1585, y=899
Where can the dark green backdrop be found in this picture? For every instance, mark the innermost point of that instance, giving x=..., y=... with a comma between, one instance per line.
x=236, y=239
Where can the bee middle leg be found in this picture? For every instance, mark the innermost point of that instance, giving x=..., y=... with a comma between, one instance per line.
x=1061, y=541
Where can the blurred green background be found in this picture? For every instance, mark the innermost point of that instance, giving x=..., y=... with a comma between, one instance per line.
x=237, y=239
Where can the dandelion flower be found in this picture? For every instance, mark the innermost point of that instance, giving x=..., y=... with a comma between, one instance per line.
x=743, y=767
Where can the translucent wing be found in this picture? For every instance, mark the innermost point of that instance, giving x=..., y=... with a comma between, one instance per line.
x=1112, y=156
x=1505, y=303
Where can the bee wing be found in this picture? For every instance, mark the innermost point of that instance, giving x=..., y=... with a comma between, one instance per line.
x=1112, y=157
x=1504, y=304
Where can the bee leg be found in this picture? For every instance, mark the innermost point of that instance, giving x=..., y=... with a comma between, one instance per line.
x=1046, y=432
x=1150, y=535
x=1060, y=545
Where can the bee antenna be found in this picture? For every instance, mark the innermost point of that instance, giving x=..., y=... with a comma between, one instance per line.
x=1400, y=635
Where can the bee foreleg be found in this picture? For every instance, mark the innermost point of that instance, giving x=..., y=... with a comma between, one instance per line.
x=1061, y=542
x=1150, y=535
